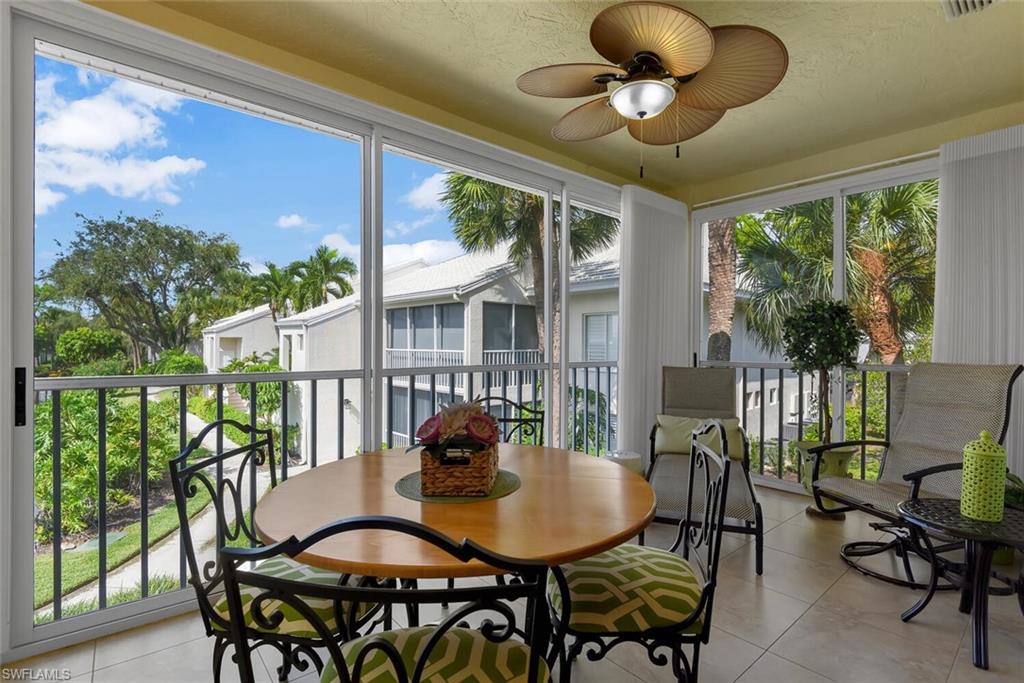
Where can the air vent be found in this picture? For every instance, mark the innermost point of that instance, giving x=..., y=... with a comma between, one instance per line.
x=958, y=8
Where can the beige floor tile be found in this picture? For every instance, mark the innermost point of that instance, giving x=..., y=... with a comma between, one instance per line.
x=879, y=604
x=76, y=660
x=849, y=651
x=147, y=639
x=810, y=543
x=604, y=671
x=856, y=525
x=722, y=660
x=794, y=576
x=779, y=505
x=1005, y=654
x=774, y=669
x=185, y=663
x=754, y=613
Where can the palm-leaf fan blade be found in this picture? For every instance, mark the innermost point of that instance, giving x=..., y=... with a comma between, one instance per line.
x=566, y=80
x=675, y=124
x=683, y=42
x=748, y=63
x=588, y=121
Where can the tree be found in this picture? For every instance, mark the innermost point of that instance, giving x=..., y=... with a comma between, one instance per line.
x=487, y=216
x=84, y=345
x=275, y=288
x=721, y=287
x=325, y=274
x=785, y=260
x=157, y=283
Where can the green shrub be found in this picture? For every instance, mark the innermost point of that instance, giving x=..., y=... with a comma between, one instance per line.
x=102, y=367
x=80, y=455
x=175, y=362
x=206, y=409
x=84, y=345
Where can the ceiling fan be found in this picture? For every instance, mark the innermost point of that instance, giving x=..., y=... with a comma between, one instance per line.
x=675, y=76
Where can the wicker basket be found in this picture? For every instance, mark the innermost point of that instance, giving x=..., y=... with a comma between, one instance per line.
x=457, y=471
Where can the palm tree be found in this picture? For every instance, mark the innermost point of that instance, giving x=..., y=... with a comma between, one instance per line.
x=785, y=259
x=276, y=287
x=323, y=275
x=487, y=216
x=721, y=287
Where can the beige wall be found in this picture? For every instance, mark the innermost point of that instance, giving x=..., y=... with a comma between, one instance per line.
x=256, y=336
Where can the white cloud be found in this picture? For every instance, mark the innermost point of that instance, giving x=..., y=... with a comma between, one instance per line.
x=256, y=267
x=293, y=220
x=130, y=176
x=97, y=142
x=47, y=198
x=336, y=240
x=431, y=251
x=402, y=228
x=427, y=195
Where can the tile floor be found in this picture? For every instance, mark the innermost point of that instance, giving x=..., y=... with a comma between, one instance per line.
x=808, y=619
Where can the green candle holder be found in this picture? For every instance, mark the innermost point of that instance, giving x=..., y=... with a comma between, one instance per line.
x=983, y=491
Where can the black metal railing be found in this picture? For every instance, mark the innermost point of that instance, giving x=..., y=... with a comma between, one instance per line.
x=592, y=405
x=778, y=406
x=410, y=396
x=114, y=393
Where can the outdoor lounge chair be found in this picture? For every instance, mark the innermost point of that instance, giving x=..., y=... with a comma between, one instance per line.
x=702, y=393
x=943, y=407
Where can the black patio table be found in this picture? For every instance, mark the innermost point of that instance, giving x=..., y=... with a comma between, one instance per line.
x=942, y=516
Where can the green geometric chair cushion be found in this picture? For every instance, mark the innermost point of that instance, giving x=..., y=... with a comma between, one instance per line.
x=293, y=623
x=629, y=589
x=462, y=655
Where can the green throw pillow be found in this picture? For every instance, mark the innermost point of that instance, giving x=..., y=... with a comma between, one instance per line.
x=674, y=433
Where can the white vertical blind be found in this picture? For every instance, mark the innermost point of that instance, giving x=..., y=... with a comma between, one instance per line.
x=655, y=325
x=979, y=288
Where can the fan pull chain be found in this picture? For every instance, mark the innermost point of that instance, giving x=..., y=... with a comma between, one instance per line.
x=677, y=132
x=641, y=148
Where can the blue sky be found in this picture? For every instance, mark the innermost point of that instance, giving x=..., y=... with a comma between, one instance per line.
x=106, y=145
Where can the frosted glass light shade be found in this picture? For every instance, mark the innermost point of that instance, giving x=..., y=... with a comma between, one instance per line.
x=643, y=99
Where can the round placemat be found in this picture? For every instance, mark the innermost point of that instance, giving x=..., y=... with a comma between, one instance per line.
x=505, y=483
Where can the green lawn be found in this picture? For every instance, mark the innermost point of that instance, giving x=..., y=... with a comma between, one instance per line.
x=81, y=567
x=159, y=583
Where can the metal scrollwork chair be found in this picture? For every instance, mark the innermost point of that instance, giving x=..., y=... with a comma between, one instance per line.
x=446, y=651
x=646, y=595
x=231, y=479
x=699, y=394
x=942, y=407
x=519, y=423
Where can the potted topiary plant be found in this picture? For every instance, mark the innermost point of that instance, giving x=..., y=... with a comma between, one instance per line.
x=820, y=336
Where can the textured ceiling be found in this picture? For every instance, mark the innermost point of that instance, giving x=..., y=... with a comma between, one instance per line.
x=858, y=70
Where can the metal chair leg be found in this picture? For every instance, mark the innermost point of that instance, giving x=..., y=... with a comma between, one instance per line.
x=219, y=646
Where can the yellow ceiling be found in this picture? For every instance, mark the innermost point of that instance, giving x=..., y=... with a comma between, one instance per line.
x=859, y=72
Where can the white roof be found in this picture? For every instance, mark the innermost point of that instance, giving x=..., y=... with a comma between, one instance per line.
x=416, y=279
x=456, y=275
x=239, y=318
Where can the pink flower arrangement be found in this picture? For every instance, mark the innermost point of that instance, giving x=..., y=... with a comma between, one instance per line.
x=458, y=422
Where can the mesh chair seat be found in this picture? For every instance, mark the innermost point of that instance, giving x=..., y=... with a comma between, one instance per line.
x=882, y=496
x=670, y=478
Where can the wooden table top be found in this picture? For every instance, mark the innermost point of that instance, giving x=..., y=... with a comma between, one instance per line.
x=569, y=506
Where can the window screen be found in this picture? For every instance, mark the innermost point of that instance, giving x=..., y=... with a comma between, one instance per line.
x=497, y=327
x=526, y=328
x=423, y=327
x=398, y=320
x=452, y=319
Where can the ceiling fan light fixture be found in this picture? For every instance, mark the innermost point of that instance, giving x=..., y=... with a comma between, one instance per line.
x=642, y=99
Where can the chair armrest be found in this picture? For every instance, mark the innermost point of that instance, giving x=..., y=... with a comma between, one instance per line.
x=917, y=476
x=817, y=450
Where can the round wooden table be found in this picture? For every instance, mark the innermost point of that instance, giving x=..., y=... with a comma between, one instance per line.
x=569, y=506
